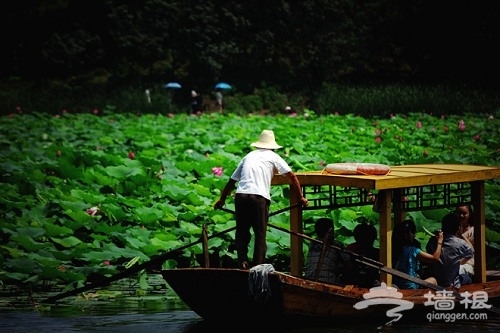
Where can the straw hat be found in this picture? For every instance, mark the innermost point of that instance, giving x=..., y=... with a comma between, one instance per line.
x=266, y=141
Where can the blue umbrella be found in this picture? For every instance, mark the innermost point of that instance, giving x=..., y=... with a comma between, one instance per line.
x=222, y=85
x=174, y=85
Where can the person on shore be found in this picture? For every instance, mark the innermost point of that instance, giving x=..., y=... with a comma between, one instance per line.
x=324, y=263
x=454, y=251
x=218, y=99
x=253, y=195
x=196, y=102
x=408, y=255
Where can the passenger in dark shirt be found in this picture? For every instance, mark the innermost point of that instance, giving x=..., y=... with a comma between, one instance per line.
x=329, y=270
x=358, y=274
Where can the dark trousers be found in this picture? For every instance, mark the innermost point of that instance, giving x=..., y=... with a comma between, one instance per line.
x=252, y=211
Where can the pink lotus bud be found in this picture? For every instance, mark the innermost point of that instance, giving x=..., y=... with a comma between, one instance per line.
x=92, y=211
x=131, y=155
x=217, y=171
x=425, y=153
x=461, y=126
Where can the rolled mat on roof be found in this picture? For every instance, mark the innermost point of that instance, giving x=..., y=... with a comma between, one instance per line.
x=357, y=169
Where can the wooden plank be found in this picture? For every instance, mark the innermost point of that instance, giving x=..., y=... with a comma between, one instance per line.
x=492, y=275
x=479, y=232
x=385, y=222
x=297, y=258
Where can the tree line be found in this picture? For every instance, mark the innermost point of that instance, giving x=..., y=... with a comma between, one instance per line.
x=291, y=45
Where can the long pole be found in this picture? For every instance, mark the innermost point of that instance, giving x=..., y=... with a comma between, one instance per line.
x=154, y=262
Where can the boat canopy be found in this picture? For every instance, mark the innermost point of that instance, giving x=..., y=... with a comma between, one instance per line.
x=425, y=187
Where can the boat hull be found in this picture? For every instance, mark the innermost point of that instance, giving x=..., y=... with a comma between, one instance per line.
x=216, y=294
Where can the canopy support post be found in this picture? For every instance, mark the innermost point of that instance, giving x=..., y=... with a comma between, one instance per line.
x=296, y=255
x=477, y=199
x=384, y=197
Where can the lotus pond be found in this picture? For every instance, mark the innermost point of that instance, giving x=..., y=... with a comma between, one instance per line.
x=86, y=196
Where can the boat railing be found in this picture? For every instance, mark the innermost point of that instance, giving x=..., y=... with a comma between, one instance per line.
x=415, y=198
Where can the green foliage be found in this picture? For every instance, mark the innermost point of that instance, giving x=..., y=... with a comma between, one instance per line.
x=384, y=100
x=75, y=204
x=109, y=52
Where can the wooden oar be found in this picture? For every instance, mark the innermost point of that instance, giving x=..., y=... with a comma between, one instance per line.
x=376, y=264
x=154, y=262
x=279, y=211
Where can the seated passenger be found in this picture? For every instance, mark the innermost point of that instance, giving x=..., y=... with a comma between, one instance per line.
x=355, y=272
x=455, y=250
x=323, y=262
x=407, y=254
x=465, y=216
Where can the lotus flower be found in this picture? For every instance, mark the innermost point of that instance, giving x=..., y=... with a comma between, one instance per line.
x=217, y=171
x=461, y=126
x=92, y=211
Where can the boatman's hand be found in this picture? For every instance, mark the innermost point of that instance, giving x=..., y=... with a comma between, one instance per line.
x=218, y=204
x=304, y=202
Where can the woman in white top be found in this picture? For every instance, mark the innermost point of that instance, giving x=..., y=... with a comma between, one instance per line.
x=465, y=216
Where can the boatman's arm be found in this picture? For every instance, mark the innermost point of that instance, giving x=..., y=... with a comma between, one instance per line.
x=296, y=185
x=225, y=192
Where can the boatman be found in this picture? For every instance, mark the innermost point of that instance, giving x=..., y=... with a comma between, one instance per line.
x=253, y=195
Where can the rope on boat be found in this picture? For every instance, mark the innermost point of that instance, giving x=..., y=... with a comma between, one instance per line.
x=258, y=282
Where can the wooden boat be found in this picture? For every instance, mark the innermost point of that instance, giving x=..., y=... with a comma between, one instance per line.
x=216, y=294
x=220, y=293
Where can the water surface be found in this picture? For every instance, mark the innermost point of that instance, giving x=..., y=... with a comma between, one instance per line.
x=160, y=310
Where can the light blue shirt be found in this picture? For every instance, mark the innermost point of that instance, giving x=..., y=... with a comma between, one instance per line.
x=407, y=263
